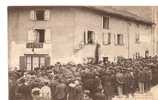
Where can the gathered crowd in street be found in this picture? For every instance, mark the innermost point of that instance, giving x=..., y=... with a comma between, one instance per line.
x=88, y=81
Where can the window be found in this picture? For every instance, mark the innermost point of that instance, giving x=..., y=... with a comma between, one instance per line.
x=137, y=55
x=106, y=38
x=36, y=61
x=146, y=53
x=137, y=38
x=40, y=35
x=90, y=37
x=105, y=22
x=105, y=60
x=40, y=14
x=120, y=39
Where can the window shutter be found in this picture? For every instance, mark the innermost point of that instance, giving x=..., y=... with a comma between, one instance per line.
x=115, y=39
x=105, y=38
x=85, y=37
x=47, y=60
x=109, y=38
x=22, y=63
x=47, y=14
x=31, y=36
x=93, y=37
x=48, y=36
x=122, y=40
x=32, y=15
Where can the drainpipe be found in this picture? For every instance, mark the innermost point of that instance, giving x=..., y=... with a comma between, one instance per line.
x=128, y=35
x=154, y=29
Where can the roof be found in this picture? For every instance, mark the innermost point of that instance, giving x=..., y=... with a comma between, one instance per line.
x=123, y=14
x=108, y=10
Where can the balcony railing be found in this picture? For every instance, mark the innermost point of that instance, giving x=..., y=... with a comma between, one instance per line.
x=34, y=45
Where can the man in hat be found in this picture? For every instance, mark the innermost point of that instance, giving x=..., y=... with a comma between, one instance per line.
x=60, y=90
x=141, y=79
x=106, y=80
x=25, y=91
x=120, y=81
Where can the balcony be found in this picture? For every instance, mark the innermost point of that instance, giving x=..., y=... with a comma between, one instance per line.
x=34, y=45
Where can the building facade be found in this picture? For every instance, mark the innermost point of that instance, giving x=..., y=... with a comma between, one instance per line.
x=40, y=36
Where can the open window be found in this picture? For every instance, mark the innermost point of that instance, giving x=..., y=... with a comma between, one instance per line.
x=137, y=38
x=90, y=37
x=40, y=35
x=40, y=14
x=119, y=39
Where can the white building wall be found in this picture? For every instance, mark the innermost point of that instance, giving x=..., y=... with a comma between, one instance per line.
x=67, y=25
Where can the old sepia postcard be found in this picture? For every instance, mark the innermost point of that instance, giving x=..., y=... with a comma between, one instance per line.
x=83, y=52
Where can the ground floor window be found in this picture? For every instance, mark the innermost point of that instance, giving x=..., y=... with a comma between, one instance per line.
x=32, y=61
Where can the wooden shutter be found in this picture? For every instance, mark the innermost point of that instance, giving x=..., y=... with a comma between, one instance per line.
x=48, y=36
x=22, y=62
x=47, y=60
x=122, y=39
x=31, y=36
x=115, y=39
x=93, y=37
x=32, y=15
x=105, y=38
x=84, y=37
x=109, y=38
x=47, y=14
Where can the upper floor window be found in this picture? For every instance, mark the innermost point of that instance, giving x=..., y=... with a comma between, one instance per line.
x=89, y=37
x=40, y=15
x=137, y=37
x=105, y=22
x=39, y=35
x=119, y=40
x=106, y=38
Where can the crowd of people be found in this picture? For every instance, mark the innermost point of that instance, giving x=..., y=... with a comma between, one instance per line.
x=88, y=81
